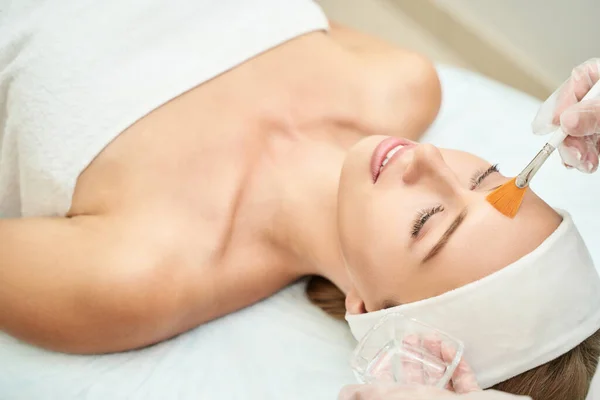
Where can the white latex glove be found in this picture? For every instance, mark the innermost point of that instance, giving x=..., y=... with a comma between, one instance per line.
x=399, y=392
x=463, y=384
x=579, y=119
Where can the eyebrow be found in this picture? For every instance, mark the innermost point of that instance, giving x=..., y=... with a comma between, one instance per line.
x=444, y=239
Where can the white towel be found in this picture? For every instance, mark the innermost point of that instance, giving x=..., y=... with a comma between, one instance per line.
x=76, y=73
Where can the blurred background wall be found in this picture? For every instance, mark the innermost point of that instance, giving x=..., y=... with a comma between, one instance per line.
x=531, y=45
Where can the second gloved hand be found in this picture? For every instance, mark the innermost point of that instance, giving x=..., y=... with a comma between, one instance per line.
x=463, y=386
x=400, y=392
x=579, y=119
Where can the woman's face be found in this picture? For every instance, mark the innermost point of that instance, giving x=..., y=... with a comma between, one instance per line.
x=420, y=226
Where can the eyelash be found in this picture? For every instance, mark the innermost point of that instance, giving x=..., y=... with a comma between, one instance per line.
x=422, y=217
x=481, y=175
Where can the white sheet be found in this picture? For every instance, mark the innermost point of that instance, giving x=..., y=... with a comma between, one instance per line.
x=284, y=347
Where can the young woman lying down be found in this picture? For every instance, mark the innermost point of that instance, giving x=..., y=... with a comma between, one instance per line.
x=167, y=164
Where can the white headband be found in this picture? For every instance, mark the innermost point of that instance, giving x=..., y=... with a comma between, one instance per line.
x=521, y=317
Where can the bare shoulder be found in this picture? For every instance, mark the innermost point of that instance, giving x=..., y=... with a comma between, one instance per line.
x=358, y=41
x=405, y=88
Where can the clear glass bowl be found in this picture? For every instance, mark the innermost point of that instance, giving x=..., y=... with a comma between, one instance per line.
x=403, y=350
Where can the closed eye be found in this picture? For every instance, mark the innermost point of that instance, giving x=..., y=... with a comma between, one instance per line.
x=480, y=176
x=422, y=217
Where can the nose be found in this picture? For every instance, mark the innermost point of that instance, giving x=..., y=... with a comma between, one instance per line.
x=428, y=167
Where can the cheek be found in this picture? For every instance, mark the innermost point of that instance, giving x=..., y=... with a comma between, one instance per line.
x=376, y=248
x=387, y=223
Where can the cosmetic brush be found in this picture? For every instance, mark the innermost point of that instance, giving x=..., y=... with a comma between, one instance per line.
x=508, y=197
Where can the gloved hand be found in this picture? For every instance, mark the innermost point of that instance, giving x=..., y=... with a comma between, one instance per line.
x=579, y=119
x=463, y=385
x=400, y=392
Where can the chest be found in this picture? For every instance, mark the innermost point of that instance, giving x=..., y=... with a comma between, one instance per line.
x=175, y=169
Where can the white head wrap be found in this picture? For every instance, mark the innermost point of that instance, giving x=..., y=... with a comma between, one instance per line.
x=521, y=317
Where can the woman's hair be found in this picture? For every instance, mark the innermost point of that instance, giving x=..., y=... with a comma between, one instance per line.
x=567, y=377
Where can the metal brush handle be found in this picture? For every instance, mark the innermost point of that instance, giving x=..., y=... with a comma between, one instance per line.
x=532, y=168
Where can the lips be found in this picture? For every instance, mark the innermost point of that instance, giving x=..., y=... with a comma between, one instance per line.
x=385, y=152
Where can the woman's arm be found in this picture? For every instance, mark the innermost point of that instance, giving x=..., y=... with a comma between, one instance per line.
x=78, y=285
x=99, y=284
x=406, y=88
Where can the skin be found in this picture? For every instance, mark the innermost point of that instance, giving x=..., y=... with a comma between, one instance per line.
x=215, y=200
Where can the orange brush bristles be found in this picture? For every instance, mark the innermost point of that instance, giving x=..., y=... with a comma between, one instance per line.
x=507, y=198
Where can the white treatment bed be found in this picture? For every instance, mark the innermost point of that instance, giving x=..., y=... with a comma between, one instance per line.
x=283, y=348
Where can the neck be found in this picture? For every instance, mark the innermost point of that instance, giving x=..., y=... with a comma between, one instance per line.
x=298, y=190
x=291, y=193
